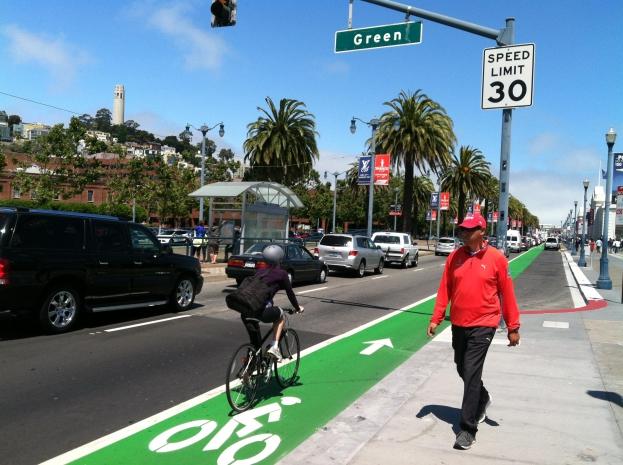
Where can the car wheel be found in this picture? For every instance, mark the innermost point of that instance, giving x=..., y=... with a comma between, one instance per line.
x=60, y=309
x=361, y=271
x=417, y=257
x=379, y=269
x=405, y=262
x=183, y=294
x=322, y=276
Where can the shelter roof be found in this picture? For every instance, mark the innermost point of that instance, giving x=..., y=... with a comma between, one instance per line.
x=269, y=192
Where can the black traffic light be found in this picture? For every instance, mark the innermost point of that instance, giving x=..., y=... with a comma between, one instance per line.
x=224, y=12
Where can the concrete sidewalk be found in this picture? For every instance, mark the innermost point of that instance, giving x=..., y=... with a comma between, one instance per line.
x=556, y=400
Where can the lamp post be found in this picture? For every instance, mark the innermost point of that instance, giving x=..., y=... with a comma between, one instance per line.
x=204, y=131
x=582, y=260
x=396, y=191
x=604, y=281
x=374, y=123
x=335, y=175
x=574, y=250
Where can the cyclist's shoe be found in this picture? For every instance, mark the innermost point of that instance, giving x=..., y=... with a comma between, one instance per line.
x=274, y=353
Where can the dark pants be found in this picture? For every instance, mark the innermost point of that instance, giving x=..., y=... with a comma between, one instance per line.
x=470, y=349
x=252, y=324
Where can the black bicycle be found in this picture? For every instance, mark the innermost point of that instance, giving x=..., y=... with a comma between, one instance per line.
x=251, y=368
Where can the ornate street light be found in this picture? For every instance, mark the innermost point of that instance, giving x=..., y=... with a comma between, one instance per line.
x=604, y=281
x=204, y=130
x=582, y=260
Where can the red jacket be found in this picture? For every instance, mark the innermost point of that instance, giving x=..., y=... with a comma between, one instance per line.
x=475, y=285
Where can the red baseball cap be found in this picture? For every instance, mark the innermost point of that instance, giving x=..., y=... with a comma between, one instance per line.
x=474, y=221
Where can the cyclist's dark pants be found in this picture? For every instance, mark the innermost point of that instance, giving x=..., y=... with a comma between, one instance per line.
x=252, y=325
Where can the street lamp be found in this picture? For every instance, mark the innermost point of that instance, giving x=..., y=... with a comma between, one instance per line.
x=204, y=130
x=374, y=124
x=574, y=250
x=396, y=191
x=604, y=281
x=582, y=260
x=335, y=175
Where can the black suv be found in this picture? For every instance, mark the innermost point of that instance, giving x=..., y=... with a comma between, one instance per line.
x=57, y=265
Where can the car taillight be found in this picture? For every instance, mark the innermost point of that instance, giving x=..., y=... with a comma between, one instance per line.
x=235, y=262
x=316, y=251
x=353, y=253
x=4, y=271
x=402, y=250
x=261, y=265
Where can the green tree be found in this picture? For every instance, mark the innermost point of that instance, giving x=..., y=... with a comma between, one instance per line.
x=131, y=180
x=281, y=145
x=316, y=197
x=103, y=119
x=422, y=189
x=171, y=187
x=466, y=177
x=418, y=133
x=54, y=168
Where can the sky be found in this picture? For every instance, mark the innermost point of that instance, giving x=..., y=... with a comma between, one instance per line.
x=176, y=70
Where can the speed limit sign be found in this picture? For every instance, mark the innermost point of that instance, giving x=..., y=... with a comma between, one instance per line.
x=507, y=76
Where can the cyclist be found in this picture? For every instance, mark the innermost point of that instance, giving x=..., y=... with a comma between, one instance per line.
x=276, y=278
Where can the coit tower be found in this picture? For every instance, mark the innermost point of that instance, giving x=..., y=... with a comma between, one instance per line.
x=118, y=105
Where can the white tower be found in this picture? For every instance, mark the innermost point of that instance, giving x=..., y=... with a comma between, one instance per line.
x=118, y=107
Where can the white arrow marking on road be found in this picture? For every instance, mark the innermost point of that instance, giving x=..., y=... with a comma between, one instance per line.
x=376, y=345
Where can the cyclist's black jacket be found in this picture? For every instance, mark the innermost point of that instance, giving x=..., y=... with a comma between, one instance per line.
x=277, y=278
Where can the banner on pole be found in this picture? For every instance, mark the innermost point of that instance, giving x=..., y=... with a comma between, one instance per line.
x=363, y=175
x=619, y=215
x=381, y=169
x=476, y=208
x=495, y=217
x=434, y=200
x=444, y=200
x=431, y=215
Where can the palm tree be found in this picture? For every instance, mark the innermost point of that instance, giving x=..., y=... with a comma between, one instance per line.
x=418, y=133
x=466, y=177
x=281, y=145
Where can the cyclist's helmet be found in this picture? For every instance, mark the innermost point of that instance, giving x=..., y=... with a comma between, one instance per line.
x=273, y=254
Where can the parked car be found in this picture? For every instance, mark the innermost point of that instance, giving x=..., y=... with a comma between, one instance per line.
x=552, y=243
x=314, y=237
x=446, y=245
x=493, y=242
x=298, y=262
x=175, y=236
x=351, y=253
x=59, y=265
x=398, y=248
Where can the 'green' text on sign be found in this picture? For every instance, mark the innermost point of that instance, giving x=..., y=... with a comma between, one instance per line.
x=390, y=35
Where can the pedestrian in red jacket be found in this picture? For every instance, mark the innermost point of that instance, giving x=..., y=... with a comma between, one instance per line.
x=477, y=283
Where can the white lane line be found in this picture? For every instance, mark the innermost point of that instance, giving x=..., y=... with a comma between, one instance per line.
x=312, y=290
x=121, y=328
x=556, y=324
x=381, y=277
x=128, y=431
x=419, y=269
x=576, y=296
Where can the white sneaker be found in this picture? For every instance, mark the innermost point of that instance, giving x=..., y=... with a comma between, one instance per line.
x=275, y=353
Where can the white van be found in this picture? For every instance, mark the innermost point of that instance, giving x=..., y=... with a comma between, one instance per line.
x=513, y=240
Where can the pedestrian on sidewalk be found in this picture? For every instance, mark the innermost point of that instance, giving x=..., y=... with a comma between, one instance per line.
x=477, y=283
x=610, y=243
x=598, y=245
x=615, y=245
x=213, y=243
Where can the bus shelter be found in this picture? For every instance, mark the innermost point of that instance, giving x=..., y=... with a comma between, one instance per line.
x=264, y=208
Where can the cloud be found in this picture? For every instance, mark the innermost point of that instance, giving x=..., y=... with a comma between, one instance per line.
x=61, y=59
x=547, y=196
x=200, y=49
x=543, y=143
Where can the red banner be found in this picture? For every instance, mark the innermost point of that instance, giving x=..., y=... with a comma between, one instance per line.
x=381, y=169
x=495, y=217
x=444, y=200
x=476, y=207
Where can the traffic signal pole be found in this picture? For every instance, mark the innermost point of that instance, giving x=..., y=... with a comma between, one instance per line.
x=503, y=37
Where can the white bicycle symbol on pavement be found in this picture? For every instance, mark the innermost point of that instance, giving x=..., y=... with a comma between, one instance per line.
x=242, y=425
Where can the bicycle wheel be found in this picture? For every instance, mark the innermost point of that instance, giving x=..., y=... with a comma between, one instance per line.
x=287, y=369
x=242, y=380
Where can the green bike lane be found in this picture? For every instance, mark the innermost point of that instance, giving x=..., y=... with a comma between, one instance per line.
x=332, y=375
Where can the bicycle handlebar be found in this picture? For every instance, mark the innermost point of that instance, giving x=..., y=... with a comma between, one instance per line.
x=290, y=310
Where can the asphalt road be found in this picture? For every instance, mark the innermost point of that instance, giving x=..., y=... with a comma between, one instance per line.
x=59, y=392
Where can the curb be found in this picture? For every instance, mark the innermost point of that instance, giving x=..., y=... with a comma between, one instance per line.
x=587, y=289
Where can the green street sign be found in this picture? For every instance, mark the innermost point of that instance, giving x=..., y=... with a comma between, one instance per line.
x=389, y=35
